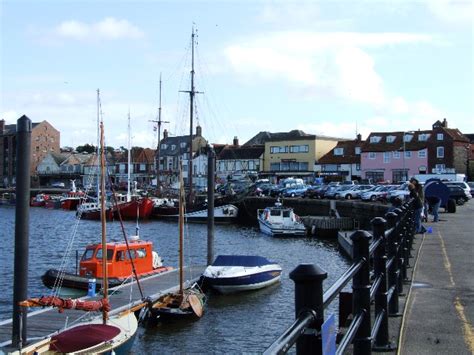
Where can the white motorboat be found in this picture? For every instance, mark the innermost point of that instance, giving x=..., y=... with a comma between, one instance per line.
x=280, y=221
x=235, y=273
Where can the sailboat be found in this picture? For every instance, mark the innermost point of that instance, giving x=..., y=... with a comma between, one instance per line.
x=108, y=334
x=186, y=302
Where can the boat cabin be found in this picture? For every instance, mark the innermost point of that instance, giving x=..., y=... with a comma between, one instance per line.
x=119, y=260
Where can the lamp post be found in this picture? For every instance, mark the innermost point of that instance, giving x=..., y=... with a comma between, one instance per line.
x=405, y=173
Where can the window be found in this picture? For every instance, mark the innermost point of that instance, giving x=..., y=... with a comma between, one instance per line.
x=407, y=137
x=386, y=157
x=142, y=167
x=423, y=137
x=279, y=149
x=372, y=155
x=422, y=153
x=440, y=168
x=299, y=148
x=251, y=165
x=274, y=166
x=122, y=169
x=439, y=152
x=408, y=154
x=357, y=150
x=358, y=167
x=390, y=139
x=182, y=144
x=439, y=136
x=338, y=151
x=375, y=139
x=110, y=253
x=173, y=146
x=396, y=155
x=164, y=146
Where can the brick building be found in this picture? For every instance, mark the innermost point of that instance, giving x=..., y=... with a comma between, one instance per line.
x=44, y=139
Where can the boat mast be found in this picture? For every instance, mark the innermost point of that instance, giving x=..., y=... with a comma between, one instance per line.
x=98, y=144
x=128, y=159
x=181, y=227
x=192, y=92
x=158, y=147
x=102, y=218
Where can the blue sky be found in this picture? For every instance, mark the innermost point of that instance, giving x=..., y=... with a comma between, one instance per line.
x=325, y=67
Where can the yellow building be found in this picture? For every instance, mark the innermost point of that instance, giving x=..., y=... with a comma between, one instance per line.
x=295, y=152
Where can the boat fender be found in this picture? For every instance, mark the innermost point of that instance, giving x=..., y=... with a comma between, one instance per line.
x=157, y=261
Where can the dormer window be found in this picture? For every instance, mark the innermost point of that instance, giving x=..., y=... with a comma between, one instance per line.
x=357, y=150
x=375, y=139
x=423, y=137
x=173, y=146
x=183, y=145
x=164, y=146
x=407, y=138
x=390, y=139
x=338, y=151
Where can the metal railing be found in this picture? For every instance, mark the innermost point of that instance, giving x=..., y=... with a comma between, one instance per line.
x=381, y=259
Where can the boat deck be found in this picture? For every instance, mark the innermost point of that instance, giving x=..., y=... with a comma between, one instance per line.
x=44, y=322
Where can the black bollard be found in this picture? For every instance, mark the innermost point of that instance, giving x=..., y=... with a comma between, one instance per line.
x=210, y=204
x=22, y=220
x=308, y=279
x=361, y=292
x=392, y=219
x=382, y=340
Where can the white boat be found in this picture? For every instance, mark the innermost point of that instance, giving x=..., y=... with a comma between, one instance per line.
x=235, y=273
x=280, y=221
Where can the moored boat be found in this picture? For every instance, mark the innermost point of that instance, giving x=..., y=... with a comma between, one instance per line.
x=236, y=273
x=147, y=262
x=280, y=221
x=39, y=200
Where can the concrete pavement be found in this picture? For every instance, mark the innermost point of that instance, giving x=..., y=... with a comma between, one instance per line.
x=439, y=313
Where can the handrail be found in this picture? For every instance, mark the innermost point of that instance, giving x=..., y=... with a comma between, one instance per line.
x=386, y=258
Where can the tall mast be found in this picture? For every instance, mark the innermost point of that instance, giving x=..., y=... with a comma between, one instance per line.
x=181, y=227
x=98, y=142
x=102, y=218
x=128, y=159
x=192, y=92
x=158, y=147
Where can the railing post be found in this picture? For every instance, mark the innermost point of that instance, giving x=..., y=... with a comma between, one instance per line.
x=382, y=342
x=361, y=292
x=392, y=277
x=308, y=279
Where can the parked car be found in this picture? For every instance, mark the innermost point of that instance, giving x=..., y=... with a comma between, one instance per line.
x=401, y=191
x=295, y=191
x=354, y=192
x=334, y=189
x=312, y=191
x=458, y=194
x=463, y=185
x=471, y=185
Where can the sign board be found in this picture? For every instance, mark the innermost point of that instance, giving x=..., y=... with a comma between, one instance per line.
x=328, y=335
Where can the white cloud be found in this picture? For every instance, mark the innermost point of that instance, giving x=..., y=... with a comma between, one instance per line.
x=107, y=29
x=452, y=11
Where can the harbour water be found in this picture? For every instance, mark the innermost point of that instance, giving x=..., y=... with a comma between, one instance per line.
x=246, y=322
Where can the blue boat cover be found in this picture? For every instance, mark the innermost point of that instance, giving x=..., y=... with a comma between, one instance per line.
x=241, y=260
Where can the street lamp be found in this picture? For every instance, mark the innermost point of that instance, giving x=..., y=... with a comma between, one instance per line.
x=405, y=175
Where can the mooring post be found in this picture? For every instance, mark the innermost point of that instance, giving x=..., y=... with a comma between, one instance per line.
x=210, y=204
x=22, y=221
x=308, y=279
x=382, y=342
x=361, y=292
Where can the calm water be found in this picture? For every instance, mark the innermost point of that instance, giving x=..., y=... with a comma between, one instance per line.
x=246, y=322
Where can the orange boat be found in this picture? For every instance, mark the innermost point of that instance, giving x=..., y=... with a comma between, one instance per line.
x=147, y=262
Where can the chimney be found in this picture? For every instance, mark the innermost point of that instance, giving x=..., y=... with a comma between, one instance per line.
x=2, y=126
x=445, y=123
x=165, y=134
x=359, y=137
x=236, y=141
x=198, y=131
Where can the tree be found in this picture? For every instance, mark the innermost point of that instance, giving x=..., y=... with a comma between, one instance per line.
x=87, y=148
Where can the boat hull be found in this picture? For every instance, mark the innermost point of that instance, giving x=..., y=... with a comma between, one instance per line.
x=77, y=282
x=222, y=215
x=141, y=208
x=281, y=230
x=251, y=282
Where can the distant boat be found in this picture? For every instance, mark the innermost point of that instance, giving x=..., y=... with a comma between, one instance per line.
x=236, y=273
x=280, y=221
x=39, y=200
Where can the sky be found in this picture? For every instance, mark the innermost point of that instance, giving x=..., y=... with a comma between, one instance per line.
x=332, y=68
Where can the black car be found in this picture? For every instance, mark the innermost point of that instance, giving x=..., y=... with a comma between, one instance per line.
x=457, y=193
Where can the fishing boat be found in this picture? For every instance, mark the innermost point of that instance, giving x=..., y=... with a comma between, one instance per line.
x=147, y=262
x=112, y=333
x=236, y=273
x=73, y=198
x=39, y=200
x=53, y=202
x=278, y=220
x=187, y=302
x=8, y=198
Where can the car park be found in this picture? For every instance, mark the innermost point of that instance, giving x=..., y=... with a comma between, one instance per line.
x=354, y=192
x=463, y=185
x=295, y=191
